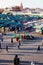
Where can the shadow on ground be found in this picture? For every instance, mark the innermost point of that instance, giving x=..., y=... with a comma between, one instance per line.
x=21, y=62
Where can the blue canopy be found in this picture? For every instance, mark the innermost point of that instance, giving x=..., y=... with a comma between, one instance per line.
x=19, y=24
x=2, y=25
x=4, y=21
x=2, y=15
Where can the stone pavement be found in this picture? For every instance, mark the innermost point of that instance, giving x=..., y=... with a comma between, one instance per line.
x=27, y=52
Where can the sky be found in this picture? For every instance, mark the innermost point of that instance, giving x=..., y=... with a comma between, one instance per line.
x=26, y=3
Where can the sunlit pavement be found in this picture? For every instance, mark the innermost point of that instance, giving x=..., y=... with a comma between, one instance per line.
x=27, y=51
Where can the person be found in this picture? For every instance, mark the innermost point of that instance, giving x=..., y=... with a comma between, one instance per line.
x=38, y=48
x=7, y=48
x=19, y=44
x=16, y=60
x=17, y=39
x=42, y=44
x=0, y=45
x=11, y=40
x=32, y=63
x=2, y=39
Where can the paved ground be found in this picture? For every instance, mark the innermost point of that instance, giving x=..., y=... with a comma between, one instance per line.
x=27, y=51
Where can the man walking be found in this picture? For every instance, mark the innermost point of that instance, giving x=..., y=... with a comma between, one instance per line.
x=16, y=60
x=7, y=48
x=19, y=44
x=38, y=48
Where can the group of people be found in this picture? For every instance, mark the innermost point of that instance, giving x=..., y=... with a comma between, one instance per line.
x=18, y=46
x=16, y=59
x=11, y=42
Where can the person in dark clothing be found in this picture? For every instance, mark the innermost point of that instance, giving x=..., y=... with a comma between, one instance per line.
x=2, y=39
x=16, y=60
x=11, y=40
x=19, y=44
x=42, y=44
x=7, y=48
x=0, y=45
x=38, y=48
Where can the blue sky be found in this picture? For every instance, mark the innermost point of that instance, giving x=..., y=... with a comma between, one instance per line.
x=26, y=3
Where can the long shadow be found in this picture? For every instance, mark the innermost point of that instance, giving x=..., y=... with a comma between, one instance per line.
x=29, y=63
x=13, y=54
x=38, y=63
x=21, y=48
x=6, y=61
x=10, y=48
x=24, y=63
x=21, y=62
x=41, y=48
x=28, y=48
x=4, y=64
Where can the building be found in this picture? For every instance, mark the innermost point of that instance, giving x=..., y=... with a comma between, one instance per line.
x=6, y=10
x=21, y=6
x=1, y=10
x=17, y=8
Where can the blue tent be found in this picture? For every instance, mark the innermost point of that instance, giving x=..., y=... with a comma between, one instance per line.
x=8, y=22
x=13, y=24
x=2, y=15
x=2, y=25
x=19, y=23
x=3, y=21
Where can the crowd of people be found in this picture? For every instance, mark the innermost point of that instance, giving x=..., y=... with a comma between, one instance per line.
x=16, y=59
